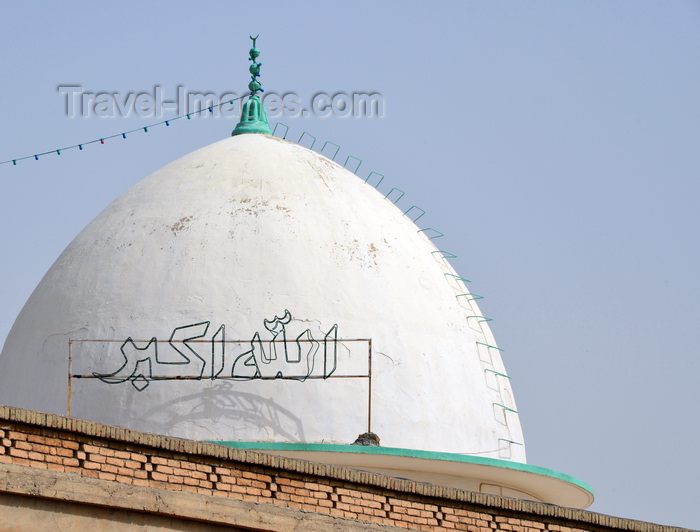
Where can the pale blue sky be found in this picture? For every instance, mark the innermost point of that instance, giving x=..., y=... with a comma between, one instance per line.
x=556, y=144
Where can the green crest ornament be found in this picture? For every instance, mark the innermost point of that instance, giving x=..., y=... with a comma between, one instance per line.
x=253, y=115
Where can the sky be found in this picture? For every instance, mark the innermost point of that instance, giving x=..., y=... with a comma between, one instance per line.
x=555, y=144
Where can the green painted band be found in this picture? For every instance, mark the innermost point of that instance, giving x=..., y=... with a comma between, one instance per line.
x=410, y=453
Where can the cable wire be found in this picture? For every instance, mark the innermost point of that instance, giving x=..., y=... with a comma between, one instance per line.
x=123, y=134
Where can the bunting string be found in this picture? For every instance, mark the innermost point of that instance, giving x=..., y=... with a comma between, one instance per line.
x=123, y=134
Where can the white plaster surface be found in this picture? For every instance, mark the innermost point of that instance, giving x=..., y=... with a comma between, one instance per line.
x=238, y=232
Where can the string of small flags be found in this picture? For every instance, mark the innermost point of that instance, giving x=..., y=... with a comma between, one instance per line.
x=123, y=134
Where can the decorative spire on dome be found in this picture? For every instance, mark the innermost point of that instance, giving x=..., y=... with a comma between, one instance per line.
x=253, y=115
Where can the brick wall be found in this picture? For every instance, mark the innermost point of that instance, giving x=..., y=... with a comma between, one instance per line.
x=104, y=454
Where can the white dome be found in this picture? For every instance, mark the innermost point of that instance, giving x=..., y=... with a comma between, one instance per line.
x=239, y=232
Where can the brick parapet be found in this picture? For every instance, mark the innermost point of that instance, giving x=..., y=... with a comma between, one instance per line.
x=142, y=460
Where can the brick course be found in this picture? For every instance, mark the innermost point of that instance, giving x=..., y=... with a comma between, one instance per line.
x=44, y=441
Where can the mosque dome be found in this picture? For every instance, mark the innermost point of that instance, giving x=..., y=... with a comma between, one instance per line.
x=256, y=294
x=193, y=273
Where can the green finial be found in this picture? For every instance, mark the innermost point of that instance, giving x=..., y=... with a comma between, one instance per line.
x=253, y=115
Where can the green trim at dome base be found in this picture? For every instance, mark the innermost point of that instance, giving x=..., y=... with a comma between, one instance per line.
x=408, y=453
